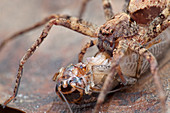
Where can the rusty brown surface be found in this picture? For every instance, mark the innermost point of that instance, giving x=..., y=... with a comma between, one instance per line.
x=37, y=90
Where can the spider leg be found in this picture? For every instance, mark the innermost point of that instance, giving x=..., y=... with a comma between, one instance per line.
x=106, y=6
x=15, y=35
x=134, y=46
x=83, y=8
x=107, y=9
x=38, y=24
x=118, y=54
x=63, y=20
x=154, y=71
x=84, y=49
x=143, y=52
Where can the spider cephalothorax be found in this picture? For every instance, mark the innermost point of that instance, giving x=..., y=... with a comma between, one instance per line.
x=120, y=26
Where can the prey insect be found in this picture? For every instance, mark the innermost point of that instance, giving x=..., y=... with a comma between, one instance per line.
x=119, y=35
x=82, y=82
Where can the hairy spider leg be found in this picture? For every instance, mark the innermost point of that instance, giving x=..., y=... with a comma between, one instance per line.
x=38, y=24
x=108, y=15
x=118, y=54
x=72, y=23
x=156, y=27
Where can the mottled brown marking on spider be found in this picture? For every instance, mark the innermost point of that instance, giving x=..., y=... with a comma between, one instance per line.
x=144, y=11
x=119, y=35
